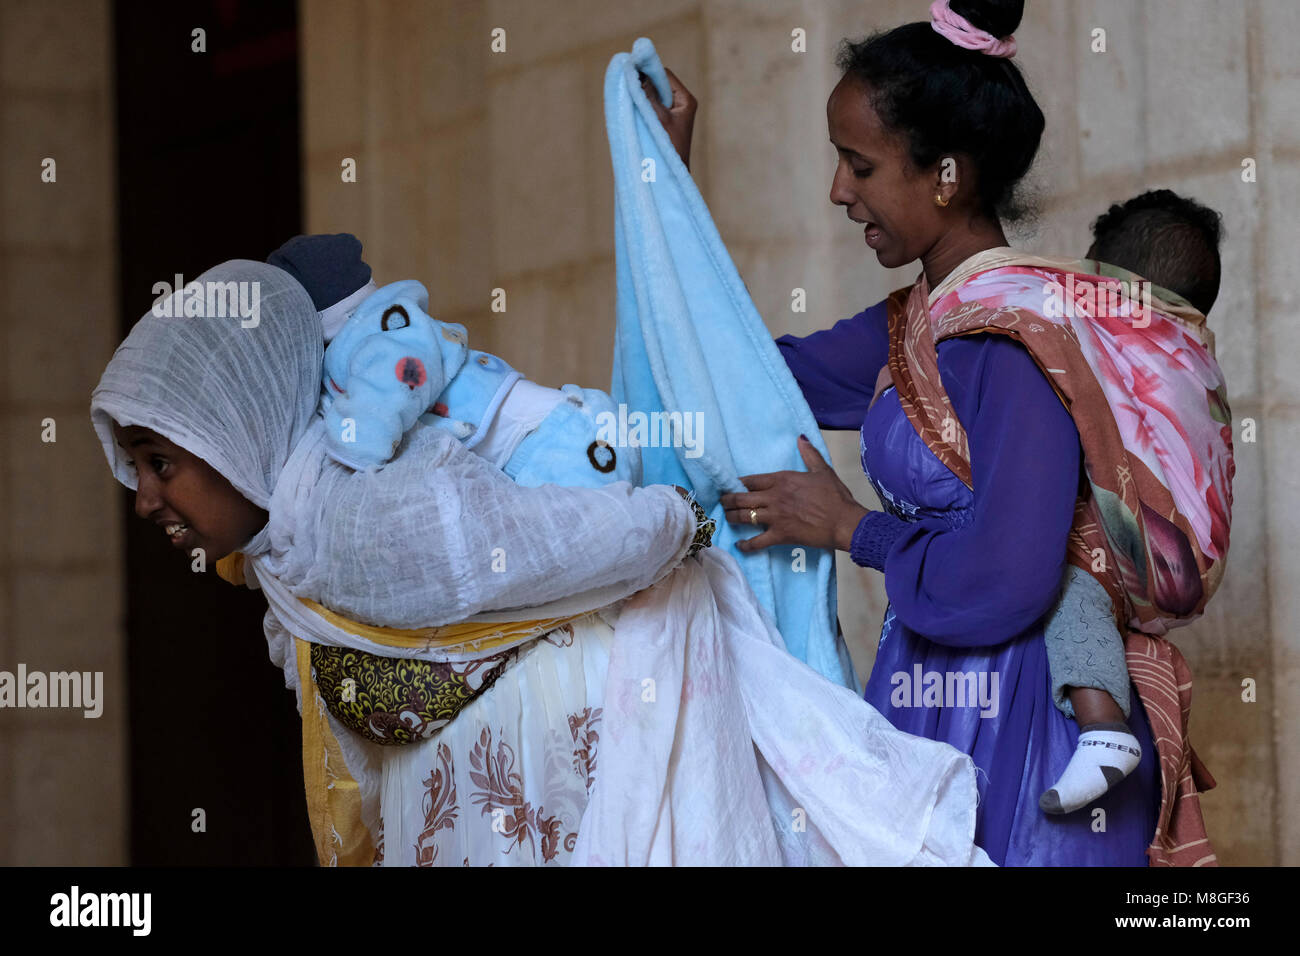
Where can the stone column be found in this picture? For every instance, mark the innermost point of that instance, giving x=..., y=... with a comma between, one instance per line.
x=63, y=777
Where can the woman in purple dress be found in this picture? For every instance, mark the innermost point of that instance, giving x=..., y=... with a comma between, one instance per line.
x=934, y=129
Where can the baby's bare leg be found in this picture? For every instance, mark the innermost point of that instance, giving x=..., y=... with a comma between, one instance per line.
x=1084, y=647
x=1105, y=753
x=1093, y=706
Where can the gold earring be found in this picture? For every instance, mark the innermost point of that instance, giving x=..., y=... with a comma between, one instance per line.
x=939, y=200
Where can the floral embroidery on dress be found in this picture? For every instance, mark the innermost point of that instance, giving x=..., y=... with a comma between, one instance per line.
x=500, y=795
x=561, y=636
x=892, y=505
x=529, y=772
x=583, y=728
x=895, y=505
x=885, y=627
x=439, y=807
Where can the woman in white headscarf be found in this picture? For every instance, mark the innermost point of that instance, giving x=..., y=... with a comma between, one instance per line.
x=390, y=597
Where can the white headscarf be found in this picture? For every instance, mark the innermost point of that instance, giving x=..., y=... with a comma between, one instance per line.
x=435, y=537
x=239, y=398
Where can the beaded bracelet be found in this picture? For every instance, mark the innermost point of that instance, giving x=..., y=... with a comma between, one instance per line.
x=704, y=528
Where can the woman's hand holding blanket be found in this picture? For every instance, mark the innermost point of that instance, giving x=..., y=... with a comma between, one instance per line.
x=812, y=508
x=678, y=118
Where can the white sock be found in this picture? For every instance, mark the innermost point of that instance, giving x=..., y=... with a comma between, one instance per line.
x=1104, y=755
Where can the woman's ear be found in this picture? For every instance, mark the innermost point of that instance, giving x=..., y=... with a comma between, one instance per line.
x=947, y=179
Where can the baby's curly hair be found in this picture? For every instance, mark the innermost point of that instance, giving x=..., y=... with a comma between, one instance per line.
x=1169, y=239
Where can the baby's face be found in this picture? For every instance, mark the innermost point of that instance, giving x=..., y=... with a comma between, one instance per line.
x=185, y=496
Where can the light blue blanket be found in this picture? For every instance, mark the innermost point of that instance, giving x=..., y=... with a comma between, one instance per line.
x=689, y=340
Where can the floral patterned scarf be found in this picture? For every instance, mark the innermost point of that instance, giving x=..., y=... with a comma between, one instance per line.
x=1135, y=366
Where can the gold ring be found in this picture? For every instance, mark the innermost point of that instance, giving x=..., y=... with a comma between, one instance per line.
x=753, y=516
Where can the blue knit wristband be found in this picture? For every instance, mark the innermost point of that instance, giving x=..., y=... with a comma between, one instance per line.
x=874, y=536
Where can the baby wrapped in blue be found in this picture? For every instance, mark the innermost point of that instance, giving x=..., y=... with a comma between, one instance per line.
x=389, y=364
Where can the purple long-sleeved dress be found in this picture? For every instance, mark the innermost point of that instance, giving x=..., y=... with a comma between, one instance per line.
x=969, y=577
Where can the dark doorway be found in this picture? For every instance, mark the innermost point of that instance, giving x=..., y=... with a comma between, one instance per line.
x=208, y=170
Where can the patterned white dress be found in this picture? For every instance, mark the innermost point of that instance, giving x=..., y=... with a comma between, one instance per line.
x=507, y=781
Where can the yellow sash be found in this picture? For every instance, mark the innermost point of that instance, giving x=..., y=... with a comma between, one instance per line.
x=333, y=796
x=478, y=636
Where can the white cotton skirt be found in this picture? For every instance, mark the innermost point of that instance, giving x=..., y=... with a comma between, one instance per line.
x=711, y=746
x=507, y=781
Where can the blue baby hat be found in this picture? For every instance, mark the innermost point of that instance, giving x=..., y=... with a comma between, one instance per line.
x=332, y=271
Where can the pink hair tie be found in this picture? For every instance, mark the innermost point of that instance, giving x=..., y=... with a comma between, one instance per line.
x=957, y=29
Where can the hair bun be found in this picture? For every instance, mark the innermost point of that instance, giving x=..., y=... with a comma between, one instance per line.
x=948, y=86
x=1001, y=18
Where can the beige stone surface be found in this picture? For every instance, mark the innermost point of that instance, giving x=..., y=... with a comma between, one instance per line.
x=1278, y=244
x=1235, y=741
x=338, y=206
x=536, y=190
x=1276, y=69
x=70, y=795
x=56, y=615
x=63, y=516
x=57, y=344
x=72, y=128
x=63, y=799
x=55, y=47
x=1280, y=441
x=561, y=323
x=1197, y=84
x=422, y=75
x=547, y=31
x=335, y=101
x=1050, y=63
x=1109, y=104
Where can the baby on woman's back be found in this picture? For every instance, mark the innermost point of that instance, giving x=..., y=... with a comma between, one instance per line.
x=1173, y=243
x=389, y=364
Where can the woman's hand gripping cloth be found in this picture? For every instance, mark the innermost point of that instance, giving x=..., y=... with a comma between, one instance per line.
x=720, y=749
x=691, y=351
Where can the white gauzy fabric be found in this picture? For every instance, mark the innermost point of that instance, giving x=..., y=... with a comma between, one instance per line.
x=719, y=748
x=435, y=537
x=438, y=535
x=239, y=398
x=678, y=731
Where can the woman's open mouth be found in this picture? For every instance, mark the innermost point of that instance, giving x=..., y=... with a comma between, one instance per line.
x=179, y=534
